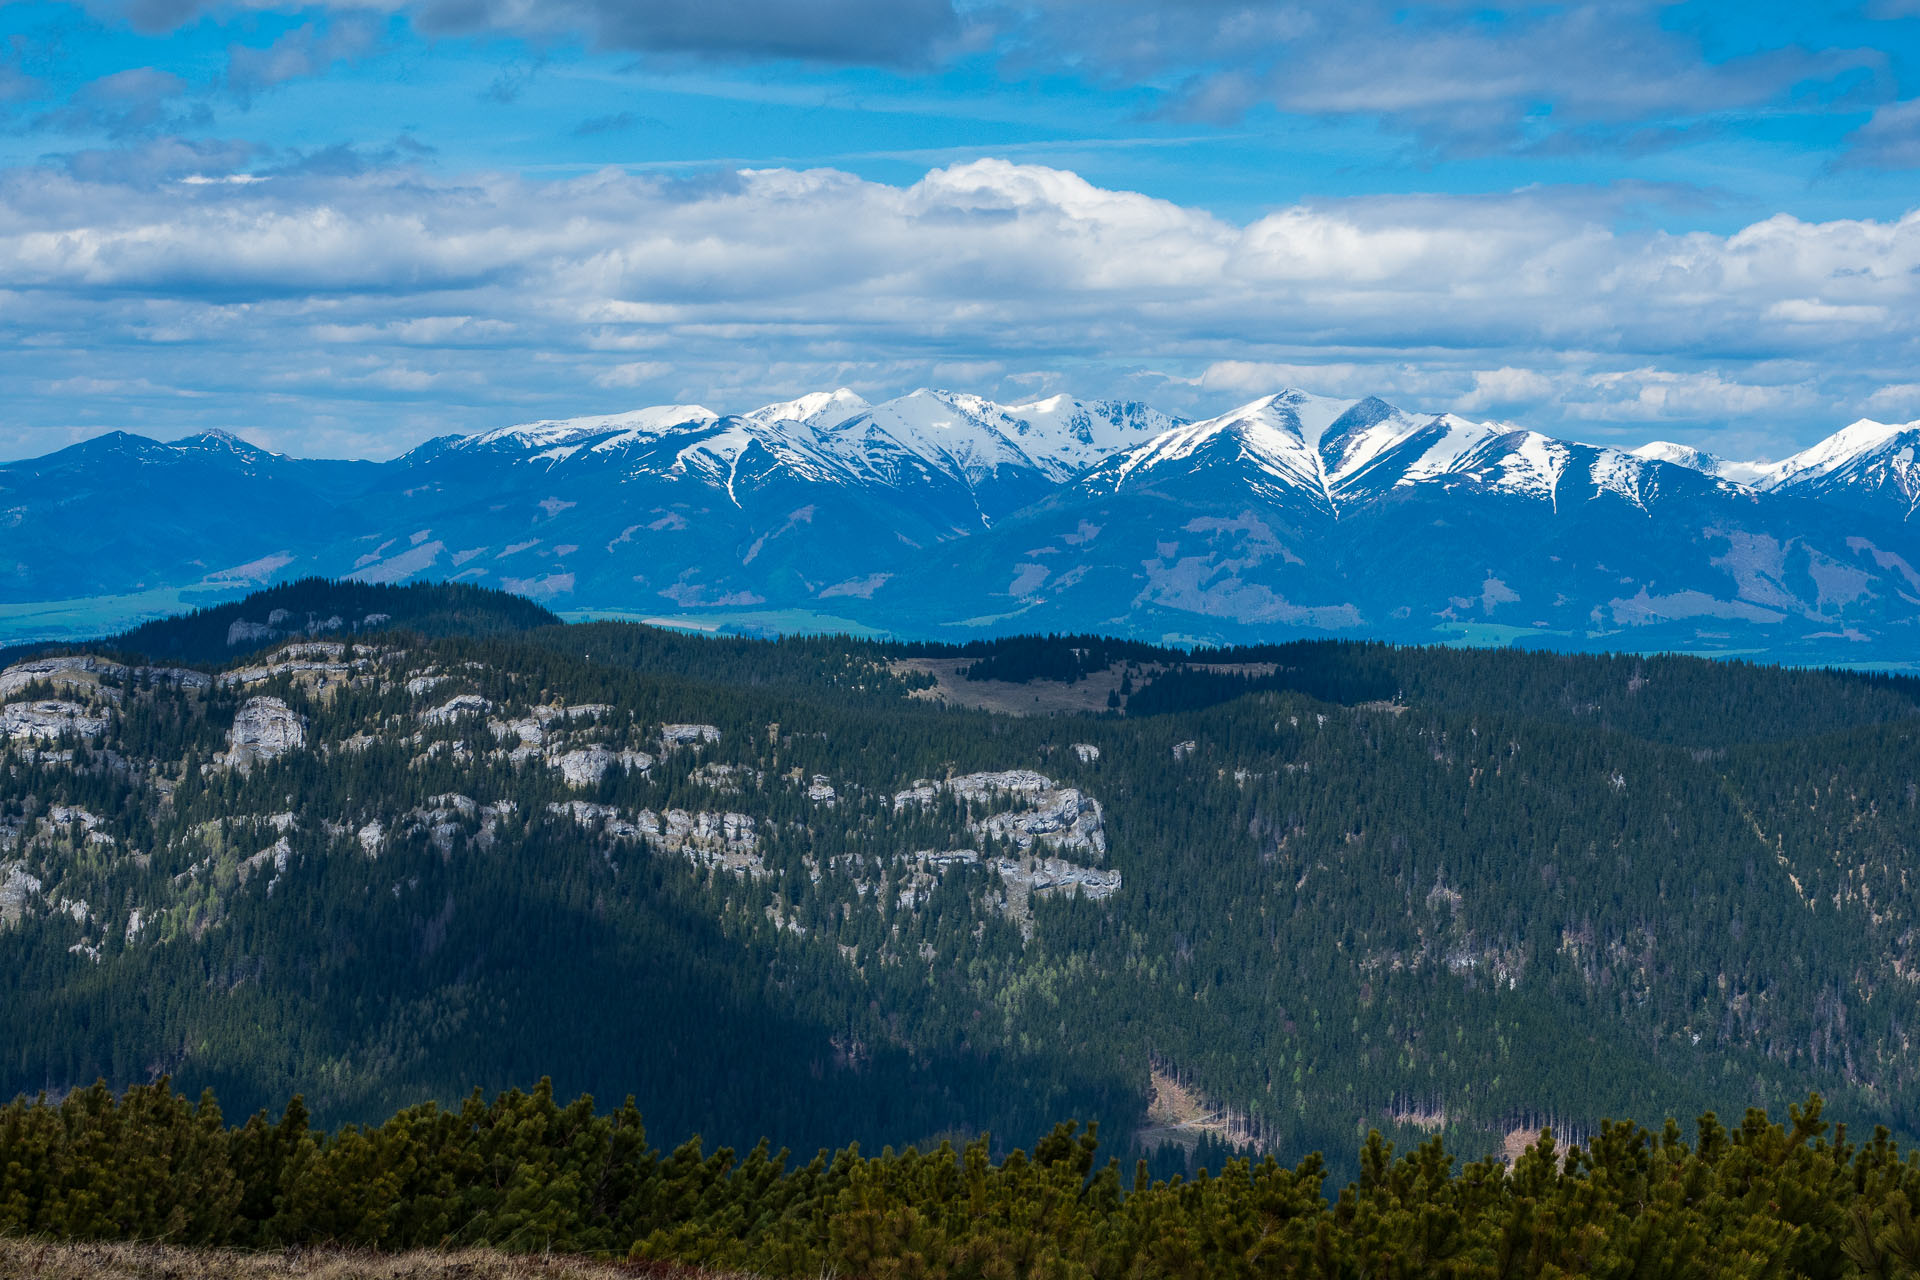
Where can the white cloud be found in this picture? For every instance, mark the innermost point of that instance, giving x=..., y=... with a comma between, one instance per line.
x=485, y=297
x=1899, y=402
x=636, y=373
x=1504, y=388
x=1652, y=395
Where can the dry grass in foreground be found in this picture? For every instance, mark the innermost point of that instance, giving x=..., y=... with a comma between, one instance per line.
x=43, y=1260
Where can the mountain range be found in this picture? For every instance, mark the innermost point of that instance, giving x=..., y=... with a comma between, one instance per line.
x=943, y=515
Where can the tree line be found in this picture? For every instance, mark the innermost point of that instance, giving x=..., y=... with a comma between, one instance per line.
x=523, y=1171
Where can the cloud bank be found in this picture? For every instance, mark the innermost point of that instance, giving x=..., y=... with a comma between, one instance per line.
x=359, y=307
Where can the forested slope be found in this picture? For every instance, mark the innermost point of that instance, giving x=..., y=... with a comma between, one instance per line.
x=770, y=889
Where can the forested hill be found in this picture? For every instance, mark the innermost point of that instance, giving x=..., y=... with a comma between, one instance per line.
x=316, y=608
x=823, y=890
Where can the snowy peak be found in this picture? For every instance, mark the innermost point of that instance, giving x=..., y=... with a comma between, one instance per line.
x=817, y=409
x=1523, y=463
x=971, y=438
x=1374, y=446
x=963, y=436
x=1263, y=443
x=988, y=458
x=1870, y=465
x=571, y=433
x=1854, y=450
x=1754, y=475
x=1680, y=455
x=1313, y=417
x=1076, y=434
x=217, y=441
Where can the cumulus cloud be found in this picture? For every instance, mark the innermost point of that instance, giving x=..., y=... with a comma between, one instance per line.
x=1506, y=388
x=488, y=296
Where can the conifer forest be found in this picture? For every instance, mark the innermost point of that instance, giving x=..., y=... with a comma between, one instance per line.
x=1067, y=956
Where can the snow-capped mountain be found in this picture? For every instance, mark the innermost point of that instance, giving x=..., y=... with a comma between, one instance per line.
x=942, y=513
x=1868, y=465
x=1338, y=457
x=558, y=439
x=1755, y=475
x=978, y=460
x=1265, y=447
x=817, y=409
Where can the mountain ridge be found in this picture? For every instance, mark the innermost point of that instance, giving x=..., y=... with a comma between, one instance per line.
x=938, y=513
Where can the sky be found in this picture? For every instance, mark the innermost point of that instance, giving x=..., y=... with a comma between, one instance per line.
x=339, y=229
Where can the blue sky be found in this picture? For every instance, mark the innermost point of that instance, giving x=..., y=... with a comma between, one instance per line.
x=342, y=228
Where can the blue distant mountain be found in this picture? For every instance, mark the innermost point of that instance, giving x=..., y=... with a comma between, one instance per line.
x=942, y=514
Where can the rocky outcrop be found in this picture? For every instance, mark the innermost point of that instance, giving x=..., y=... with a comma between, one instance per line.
x=727, y=841
x=1039, y=875
x=49, y=718
x=1064, y=819
x=277, y=855
x=316, y=664
x=263, y=729
x=1086, y=752
x=445, y=818
x=85, y=671
x=586, y=766
x=975, y=786
x=463, y=704
x=72, y=671
x=17, y=888
x=921, y=792
x=687, y=735
x=532, y=729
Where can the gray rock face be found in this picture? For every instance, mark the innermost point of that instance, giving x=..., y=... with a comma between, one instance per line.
x=586, y=766
x=975, y=786
x=49, y=718
x=727, y=841
x=465, y=704
x=1039, y=875
x=73, y=670
x=1060, y=818
x=687, y=735
x=319, y=663
x=263, y=729
x=1063, y=818
x=84, y=671
x=16, y=888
